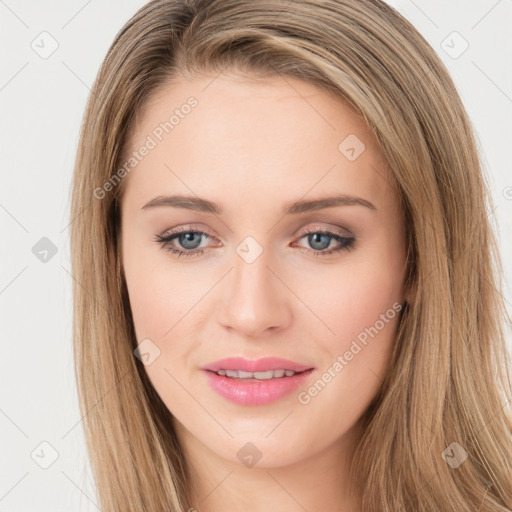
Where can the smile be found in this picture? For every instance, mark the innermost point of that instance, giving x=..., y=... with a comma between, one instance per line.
x=258, y=388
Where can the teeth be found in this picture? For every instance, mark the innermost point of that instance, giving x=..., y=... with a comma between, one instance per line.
x=270, y=374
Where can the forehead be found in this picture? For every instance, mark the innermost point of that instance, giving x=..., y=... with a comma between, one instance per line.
x=263, y=138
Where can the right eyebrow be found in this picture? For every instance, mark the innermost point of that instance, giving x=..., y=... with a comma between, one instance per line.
x=187, y=202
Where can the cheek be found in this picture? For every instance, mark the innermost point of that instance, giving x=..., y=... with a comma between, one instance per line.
x=353, y=295
x=160, y=293
x=355, y=359
x=364, y=322
x=360, y=303
x=160, y=303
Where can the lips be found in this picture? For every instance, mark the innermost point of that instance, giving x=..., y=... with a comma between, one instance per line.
x=264, y=364
x=256, y=392
x=255, y=383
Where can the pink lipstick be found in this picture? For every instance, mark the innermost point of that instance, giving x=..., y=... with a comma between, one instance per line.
x=259, y=382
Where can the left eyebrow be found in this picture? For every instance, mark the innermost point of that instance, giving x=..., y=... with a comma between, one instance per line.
x=327, y=202
x=296, y=207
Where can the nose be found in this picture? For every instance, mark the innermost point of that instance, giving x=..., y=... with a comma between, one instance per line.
x=255, y=300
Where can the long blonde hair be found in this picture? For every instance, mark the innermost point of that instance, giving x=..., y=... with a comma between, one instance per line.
x=448, y=381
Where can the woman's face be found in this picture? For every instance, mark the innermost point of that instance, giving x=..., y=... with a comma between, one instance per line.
x=263, y=273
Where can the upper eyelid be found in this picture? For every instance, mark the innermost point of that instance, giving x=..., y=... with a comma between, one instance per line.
x=334, y=230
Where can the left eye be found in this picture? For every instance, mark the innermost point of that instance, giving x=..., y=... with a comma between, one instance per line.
x=319, y=239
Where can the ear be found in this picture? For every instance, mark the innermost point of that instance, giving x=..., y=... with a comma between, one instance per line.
x=410, y=293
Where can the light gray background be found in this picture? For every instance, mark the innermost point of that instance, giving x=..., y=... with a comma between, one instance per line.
x=41, y=105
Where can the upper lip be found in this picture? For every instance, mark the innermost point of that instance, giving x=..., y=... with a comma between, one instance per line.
x=260, y=365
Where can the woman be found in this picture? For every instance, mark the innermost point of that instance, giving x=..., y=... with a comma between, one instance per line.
x=287, y=284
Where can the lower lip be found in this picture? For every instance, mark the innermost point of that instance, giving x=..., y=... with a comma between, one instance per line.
x=252, y=392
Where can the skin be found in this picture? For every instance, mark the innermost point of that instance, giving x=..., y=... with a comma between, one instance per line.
x=253, y=145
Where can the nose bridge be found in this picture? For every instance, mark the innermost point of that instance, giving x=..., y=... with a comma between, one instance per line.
x=254, y=301
x=251, y=278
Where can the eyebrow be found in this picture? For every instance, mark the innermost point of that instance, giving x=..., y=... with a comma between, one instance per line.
x=300, y=206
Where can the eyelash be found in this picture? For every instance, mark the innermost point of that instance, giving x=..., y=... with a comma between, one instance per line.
x=347, y=242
